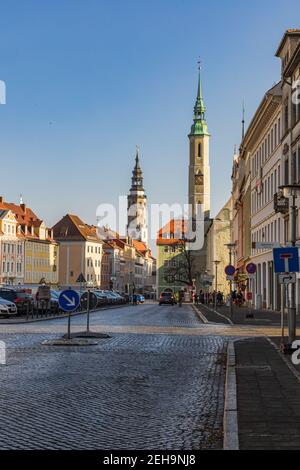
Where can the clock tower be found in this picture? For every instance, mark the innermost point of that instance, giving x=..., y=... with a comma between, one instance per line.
x=199, y=169
x=137, y=227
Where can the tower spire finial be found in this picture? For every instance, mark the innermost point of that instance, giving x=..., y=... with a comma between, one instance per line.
x=200, y=126
x=199, y=95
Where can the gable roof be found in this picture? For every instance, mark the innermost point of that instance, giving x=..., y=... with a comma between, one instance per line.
x=71, y=227
x=25, y=217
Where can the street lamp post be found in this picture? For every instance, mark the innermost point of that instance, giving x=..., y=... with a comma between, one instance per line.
x=291, y=191
x=231, y=247
x=216, y=263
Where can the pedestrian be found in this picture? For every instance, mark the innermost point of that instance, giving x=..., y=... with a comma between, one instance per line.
x=219, y=298
x=181, y=295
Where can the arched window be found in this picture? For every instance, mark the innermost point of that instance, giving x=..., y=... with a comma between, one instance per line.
x=199, y=150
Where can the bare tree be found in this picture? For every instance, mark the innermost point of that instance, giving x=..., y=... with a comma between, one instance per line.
x=182, y=266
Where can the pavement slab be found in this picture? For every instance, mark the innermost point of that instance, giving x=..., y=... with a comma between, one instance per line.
x=266, y=398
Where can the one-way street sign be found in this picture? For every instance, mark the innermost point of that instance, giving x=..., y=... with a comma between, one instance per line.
x=287, y=278
x=286, y=260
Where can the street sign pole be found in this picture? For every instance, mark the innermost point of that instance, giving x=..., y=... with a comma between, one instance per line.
x=69, y=326
x=230, y=287
x=88, y=313
x=282, y=318
x=292, y=309
x=69, y=301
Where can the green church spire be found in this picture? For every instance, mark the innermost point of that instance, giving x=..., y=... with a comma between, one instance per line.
x=199, y=126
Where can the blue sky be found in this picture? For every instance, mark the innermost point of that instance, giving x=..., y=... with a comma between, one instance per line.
x=88, y=80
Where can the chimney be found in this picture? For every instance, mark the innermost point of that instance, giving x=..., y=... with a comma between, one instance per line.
x=23, y=207
x=1, y=199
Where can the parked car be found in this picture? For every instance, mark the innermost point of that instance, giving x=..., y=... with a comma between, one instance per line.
x=20, y=298
x=140, y=298
x=111, y=297
x=102, y=298
x=126, y=297
x=7, y=308
x=166, y=298
x=118, y=298
x=54, y=304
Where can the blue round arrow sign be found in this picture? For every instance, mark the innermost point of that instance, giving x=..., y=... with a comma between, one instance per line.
x=69, y=300
x=251, y=268
x=230, y=270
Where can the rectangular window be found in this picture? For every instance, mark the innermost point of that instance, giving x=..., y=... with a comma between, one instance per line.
x=272, y=189
x=286, y=118
x=272, y=140
x=294, y=168
x=286, y=171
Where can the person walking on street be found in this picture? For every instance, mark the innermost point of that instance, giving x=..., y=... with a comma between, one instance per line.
x=181, y=294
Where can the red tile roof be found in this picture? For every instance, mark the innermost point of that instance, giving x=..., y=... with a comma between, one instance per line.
x=25, y=217
x=174, y=229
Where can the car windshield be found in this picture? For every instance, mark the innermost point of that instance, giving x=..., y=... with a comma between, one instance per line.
x=8, y=294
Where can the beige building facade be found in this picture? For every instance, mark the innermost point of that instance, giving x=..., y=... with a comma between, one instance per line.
x=218, y=236
x=80, y=252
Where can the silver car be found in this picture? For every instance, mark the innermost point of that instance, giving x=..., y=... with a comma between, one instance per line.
x=7, y=308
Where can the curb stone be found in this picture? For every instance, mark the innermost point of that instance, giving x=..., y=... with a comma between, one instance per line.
x=220, y=315
x=200, y=315
x=230, y=421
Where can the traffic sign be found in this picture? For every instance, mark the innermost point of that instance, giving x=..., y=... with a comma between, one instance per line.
x=81, y=279
x=264, y=246
x=251, y=268
x=92, y=303
x=69, y=300
x=287, y=278
x=230, y=270
x=286, y=260
x=230, y=278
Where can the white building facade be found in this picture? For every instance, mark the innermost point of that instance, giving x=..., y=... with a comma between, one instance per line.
x=266, y=177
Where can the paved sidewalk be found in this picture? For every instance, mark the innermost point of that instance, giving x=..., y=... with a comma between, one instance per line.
x=260, y=317
x=268, y=398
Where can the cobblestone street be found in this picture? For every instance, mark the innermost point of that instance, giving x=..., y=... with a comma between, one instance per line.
x=131, y=391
